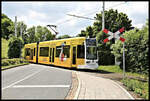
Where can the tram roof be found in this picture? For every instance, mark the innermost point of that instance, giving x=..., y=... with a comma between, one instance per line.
x=67, y=39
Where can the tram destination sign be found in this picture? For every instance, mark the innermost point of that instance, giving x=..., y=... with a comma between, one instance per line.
x=90, y=42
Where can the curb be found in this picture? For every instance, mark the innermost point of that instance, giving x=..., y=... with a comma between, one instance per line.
x=79, y=87
x=13, y=67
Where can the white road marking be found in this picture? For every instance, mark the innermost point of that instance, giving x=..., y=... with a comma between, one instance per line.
x=28, y=86
x=21, y=79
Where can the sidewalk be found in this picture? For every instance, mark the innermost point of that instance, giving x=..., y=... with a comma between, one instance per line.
x=91, y=87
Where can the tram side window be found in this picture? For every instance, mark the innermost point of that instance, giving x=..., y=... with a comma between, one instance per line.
x=27, y=52
x=66, y=51
x=80, y=51
x=58, y=50
x=44, y=51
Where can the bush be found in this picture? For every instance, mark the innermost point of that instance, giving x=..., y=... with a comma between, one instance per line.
x=136, y=50
x=138, y=87
x=11, y=62
x=105, y=57
x=15, y=46
x=7, y=62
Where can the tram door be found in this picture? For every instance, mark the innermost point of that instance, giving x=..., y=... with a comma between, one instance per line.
x=74, y=57
x=31, y=55
x=51, y=55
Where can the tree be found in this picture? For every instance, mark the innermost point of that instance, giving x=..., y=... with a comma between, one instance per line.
x=89, y=31
x=64, y=37
x=30, y=35
x=7, y=26
x=21, y=26
x=43, y=34
x=82, y=34
x=104, y=51
x=113, y=22
x=136, y=50
x=15, y=46
x=38, y=33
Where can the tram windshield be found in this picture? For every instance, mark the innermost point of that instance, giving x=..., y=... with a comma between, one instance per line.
x=91, y=53
x=91, y=49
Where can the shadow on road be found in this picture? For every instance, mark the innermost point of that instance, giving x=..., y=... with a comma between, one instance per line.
x=92, y=71
x=82, y=70
x=85, y=70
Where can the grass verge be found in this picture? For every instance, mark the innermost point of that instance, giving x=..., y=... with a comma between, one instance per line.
x=140, y=88
x=11, y=66
x=116, y=69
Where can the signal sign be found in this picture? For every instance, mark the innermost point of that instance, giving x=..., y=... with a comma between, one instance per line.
x=114, y=35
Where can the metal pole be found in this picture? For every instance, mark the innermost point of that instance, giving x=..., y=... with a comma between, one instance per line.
x=115, y=56
x=21, y=30
x=21, y=37
x=103, y=15
x=123, y=61
x=16, y=26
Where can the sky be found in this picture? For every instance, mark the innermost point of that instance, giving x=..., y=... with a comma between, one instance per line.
x=55, y=13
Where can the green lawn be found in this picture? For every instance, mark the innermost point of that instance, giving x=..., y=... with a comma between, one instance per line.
x=116, y=69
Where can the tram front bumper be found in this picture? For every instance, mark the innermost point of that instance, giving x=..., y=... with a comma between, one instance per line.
x=88, y=66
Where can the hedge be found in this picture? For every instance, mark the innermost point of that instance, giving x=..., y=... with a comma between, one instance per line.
x=7, y=62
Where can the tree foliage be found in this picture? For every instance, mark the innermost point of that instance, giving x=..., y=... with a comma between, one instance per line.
x=82, y=34
x=7, y=26
x=43, y=34
x=136, y=50
x=15, y=45
x=113, y=22
x=21, y=26
x=38, y=33
x=64, y=37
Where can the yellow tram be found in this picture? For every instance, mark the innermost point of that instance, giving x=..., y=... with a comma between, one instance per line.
x=76, y=52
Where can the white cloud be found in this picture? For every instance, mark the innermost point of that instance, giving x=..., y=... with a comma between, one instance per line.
x=136, y=11
x=37, y=15
x=43, y=13
x=33, y=18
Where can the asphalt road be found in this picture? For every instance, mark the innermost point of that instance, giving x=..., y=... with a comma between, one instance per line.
x=35, y=81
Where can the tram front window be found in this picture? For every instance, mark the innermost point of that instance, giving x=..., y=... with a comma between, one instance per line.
x=91, y=53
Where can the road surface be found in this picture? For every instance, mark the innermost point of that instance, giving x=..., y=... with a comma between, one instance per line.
x=35, y=81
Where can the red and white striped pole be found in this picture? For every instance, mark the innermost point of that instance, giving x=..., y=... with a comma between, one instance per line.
x=116, y=35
